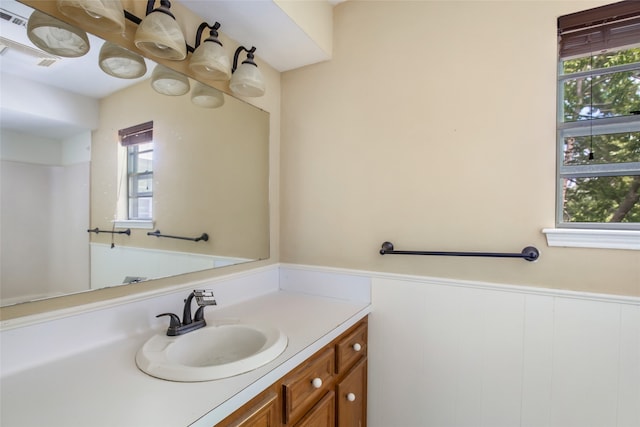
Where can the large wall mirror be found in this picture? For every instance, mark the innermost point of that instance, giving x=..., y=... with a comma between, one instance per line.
x=83, y=198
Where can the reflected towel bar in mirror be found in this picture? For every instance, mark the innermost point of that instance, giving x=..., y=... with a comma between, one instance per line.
x=97, y=230
x=529, y=253
x=203, y=236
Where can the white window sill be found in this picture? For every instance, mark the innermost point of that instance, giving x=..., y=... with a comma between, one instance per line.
x=601, y=239
x=132, y=223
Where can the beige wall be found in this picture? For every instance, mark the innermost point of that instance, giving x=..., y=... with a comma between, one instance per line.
x=433, y=127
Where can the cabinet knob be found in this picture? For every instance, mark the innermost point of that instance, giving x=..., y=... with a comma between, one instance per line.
x=316, y=382
x=351, y=397
x=357, y=347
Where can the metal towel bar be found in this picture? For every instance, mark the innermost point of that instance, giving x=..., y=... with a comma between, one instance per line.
x=203, y=236
x=529, y=253
x=97, y=230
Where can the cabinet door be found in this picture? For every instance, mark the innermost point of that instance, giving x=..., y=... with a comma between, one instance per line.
x=262, y=411
x=322, y=415
x=352, y=397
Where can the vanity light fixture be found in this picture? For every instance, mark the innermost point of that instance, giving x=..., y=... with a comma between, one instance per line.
x=120, y=62
x=159, y=34
x=206, y=96
x=168, y=82
x=247, y=80
x=56, y=37
x=209, y=60
x=107, y=15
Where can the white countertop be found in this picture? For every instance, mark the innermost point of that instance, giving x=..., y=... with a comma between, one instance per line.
x=103, y=387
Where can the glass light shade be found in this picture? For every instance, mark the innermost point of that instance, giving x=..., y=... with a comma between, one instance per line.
x=107, y=15
x=247, y=80
x=168, y=82
x=120, y=62
x=56, y=37
x=206, y=96
x=160, y=35
x=210, y=61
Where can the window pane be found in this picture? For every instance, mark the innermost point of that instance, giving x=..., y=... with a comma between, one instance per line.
x=140, y=161
x=604, y=60
x=606, y=148
x=140, y=208
x=145, y=207
x=141, y=184
x=140, y=158
x=145, y=185
x=145, y=147
x=145, y=162
x=602, y=199
x=601, y=96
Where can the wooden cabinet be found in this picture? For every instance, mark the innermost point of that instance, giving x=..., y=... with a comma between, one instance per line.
x=262, y=411
x=327, y=390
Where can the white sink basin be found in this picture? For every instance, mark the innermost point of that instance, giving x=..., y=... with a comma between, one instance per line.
x=210, y=353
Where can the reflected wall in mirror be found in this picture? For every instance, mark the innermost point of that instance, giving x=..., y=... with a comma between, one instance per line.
x=64, y=171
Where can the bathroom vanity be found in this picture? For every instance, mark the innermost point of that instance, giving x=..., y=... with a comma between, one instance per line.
x=327, y=389
x=80, y=369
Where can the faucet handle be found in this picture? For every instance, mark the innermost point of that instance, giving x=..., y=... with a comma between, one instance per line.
x=175, y=320
x=204, y=297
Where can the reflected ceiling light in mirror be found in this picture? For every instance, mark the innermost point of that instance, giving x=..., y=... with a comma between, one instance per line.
x=168, y=82
x=107, y=15
x=120, y=62
x=247, y=79
x=209, y=60
x=160, y=35
x=206, y=97
x=56, y=37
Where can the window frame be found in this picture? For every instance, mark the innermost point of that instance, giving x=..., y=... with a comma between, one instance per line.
x=131, y=139
x=574, y=27
x=577, y=25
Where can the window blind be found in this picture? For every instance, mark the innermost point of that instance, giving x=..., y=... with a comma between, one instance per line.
x=599, y=29
x=138, y=134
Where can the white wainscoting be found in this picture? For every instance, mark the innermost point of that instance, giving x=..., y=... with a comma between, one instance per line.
x=470, y=355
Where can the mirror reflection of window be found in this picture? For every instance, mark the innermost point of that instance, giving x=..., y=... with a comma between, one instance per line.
x=140, y=178
x=138, y=141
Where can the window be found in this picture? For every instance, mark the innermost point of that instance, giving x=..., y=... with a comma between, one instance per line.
x=598, y=135
x=138, y=140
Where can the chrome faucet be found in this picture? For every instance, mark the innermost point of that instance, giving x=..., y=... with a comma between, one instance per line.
x=204, y=298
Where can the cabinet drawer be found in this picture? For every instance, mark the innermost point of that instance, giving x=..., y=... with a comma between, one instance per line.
x=351, y=348
x=301, y=389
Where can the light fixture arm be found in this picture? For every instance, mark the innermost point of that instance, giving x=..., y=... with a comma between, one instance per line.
x=213, y=34
x=249, y=59
x=165, y=5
